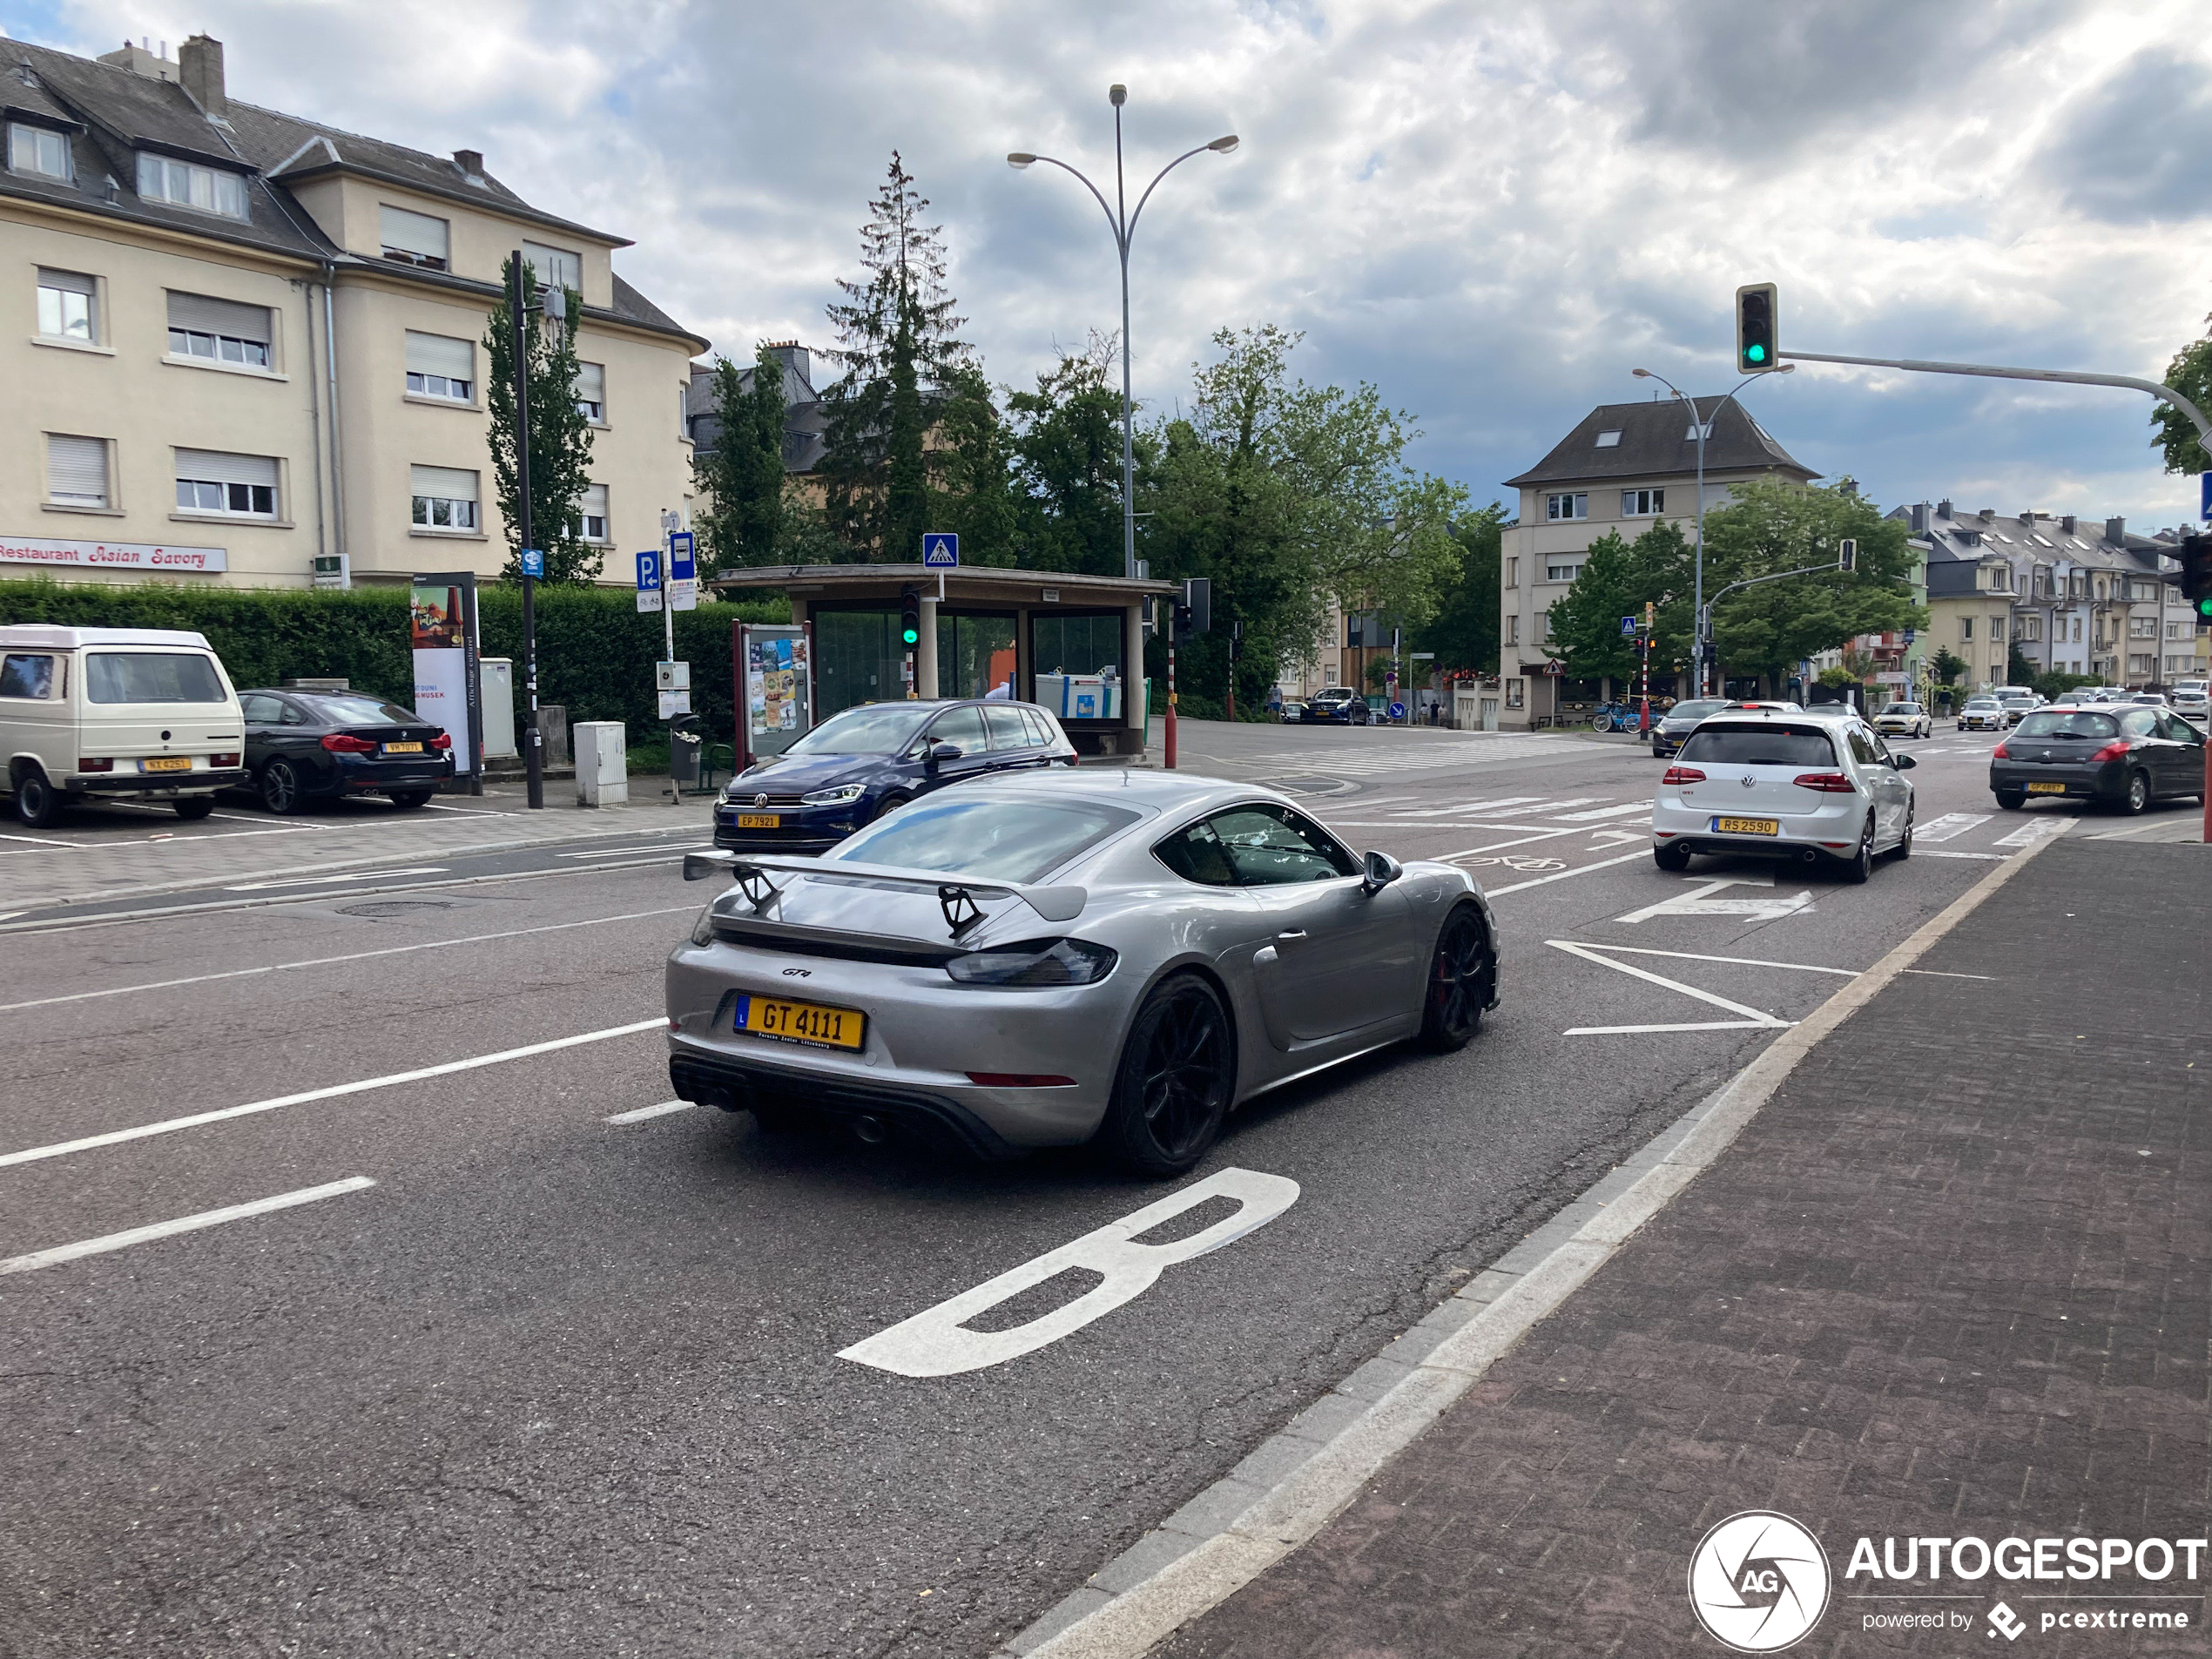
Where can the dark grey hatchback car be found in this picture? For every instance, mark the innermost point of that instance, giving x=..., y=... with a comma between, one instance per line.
x=2125, y=755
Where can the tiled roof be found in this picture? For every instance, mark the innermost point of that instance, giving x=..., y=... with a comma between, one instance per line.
x=1655, y=441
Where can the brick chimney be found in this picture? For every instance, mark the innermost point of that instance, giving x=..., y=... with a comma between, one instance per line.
x=2116, y=532
x=1943, y=509
x=1920, y=519
x=199, y=68
x=2065, y=522
x=471, y=162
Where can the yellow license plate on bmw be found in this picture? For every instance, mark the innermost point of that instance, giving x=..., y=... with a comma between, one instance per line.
x=2046, y=789
x=827, y=1028
x=1747, y=826
x=761, y=820
x=168, y=763
x=402, y=748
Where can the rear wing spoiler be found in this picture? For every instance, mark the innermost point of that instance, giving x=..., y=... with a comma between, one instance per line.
x=959, y=899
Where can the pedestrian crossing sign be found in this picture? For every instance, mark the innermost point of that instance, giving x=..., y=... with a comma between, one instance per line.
x=940, y=550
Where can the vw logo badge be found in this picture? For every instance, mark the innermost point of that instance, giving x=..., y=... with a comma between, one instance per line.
x=1748, y=781
x=762, y=801
x=1758, y=1582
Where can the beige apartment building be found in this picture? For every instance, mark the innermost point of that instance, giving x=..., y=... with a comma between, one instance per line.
x=1625, y=467
x=238, y=342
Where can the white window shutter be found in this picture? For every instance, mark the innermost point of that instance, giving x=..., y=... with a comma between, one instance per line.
x=413, y=232
x=446, y=484
x=206, y=315
x=441, y=354
x=591, y=382
x=65, y=281
x=213, y=467
x=77, y=470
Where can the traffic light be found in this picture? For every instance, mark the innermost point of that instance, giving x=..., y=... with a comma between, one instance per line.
x=1847, y=554
x=2196, y=575
x=909, y=618
x=1757, y=332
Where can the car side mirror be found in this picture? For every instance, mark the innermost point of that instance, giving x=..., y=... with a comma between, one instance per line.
x=939, y=753
x=1382, y=870
x=1902, y=763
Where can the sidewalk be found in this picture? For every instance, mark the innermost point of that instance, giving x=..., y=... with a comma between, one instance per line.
x=1954, y=1280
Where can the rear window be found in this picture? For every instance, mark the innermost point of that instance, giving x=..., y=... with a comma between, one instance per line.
x=1760, y=745
x=359, y=711
x=995, y=839
x=2069, y=723
x=1696, y=710
x=151, y=677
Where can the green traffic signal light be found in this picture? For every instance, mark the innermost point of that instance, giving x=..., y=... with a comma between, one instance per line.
x=2204, y=608
x=1754, y=354
x=911, y=636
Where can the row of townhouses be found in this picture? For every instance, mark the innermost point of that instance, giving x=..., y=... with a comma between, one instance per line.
x=243, y=342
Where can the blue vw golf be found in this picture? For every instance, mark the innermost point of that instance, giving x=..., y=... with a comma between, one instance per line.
x=866, y=761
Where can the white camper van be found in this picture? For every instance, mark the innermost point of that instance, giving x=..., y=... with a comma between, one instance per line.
x=123, y=713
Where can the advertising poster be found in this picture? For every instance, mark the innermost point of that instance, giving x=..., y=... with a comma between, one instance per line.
x=442, y=618
x=775, y=693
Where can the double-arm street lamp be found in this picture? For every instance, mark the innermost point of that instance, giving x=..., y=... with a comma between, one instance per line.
x=1698, y=425
x=1123, y=223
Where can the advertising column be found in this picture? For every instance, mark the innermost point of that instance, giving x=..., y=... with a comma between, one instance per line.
x=776, y=701
x=442, y=619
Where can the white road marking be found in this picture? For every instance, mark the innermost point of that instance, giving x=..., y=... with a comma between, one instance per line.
x=84, y=1247
x=1701, y=901
x=195, y=1120
x=639, y=1114
x=1754, y=1019
x=1740, y=961
x=1604, y=812
x=635, y=852
x=350, y=875
x=1546, y=809
x=2121, y=834
x=326, y=961
x=1470, y=807
x=1938, y=853
x=1615, y=837
x=1937, y=973
x=2033, y=831
x=1563, y=875
x=36, y=841
x=933, y=1344
x=1948, y=827
x=1500, y=846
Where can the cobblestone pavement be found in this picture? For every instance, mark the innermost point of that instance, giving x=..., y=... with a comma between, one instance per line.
x=1955, y=1280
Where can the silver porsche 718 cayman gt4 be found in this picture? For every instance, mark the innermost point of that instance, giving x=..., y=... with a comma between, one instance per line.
x=1047, y=959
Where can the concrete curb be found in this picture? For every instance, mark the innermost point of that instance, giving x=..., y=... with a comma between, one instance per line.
x=1301, y=1478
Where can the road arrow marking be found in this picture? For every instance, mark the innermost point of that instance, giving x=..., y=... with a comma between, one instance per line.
x=1701, y=902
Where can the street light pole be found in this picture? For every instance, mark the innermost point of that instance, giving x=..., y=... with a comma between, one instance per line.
x=1123, y=223
x=1698, y=425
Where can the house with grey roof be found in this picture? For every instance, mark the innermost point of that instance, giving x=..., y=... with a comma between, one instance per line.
x=255, y=342
x=803, y=418
x=1624, y=468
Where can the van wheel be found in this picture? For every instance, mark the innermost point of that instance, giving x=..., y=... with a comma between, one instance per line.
x=192, y=808
x=278, y=788
x=36, y=803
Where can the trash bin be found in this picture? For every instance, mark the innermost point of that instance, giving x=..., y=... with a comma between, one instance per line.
x=685, y=740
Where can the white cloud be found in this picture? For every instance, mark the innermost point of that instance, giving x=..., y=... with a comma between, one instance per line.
x=1494, y=212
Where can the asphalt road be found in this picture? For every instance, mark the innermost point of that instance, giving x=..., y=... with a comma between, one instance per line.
x=555, y=1384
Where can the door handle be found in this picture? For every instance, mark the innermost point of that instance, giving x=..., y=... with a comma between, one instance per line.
x=1298, y=933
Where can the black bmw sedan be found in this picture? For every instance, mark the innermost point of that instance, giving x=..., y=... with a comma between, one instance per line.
x=301, y=745
x=2126, y=756
x=863, y=762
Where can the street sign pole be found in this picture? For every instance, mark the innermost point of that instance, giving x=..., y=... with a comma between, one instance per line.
x=533, y=751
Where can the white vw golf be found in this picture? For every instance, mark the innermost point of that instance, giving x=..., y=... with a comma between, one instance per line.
x=1816, y=786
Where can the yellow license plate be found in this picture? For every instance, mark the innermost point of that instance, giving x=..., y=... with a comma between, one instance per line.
x=402, y=748
x=1748, y=826
x=167, y=763
x=769, y=1016
x=2046, y=789
x=761, y=820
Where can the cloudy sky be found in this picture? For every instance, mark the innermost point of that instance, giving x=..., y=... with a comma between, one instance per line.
x=1493, y=211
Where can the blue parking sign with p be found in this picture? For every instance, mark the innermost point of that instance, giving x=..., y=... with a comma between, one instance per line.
x=649, y=572
x=940, y=550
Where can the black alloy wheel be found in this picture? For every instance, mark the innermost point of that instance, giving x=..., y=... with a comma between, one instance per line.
x=890, y=804
x=2011, y=800
x=192, y=808
x=35, y=800
x=1178, y=1070
x=407, y=799
x=1673, y=857
x=1861, y=865
x=278, y=788
x=1903, y=849
x=1461, y=977
x=2137, y=800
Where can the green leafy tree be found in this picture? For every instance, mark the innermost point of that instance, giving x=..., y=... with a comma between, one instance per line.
x=900, y=345
x=1616, y=580
x=2174, y=433
x=559, y=442
x=1464, y=631
x=1945, y=667
x=1773, y=525
x=1066, y=445
x=2058, y=683
x=2018, y=670
x=743, y=468
x=1839, y=678
x=973, y=491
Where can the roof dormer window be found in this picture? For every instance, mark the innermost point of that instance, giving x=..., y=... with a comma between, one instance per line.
x=1610, y=439
x=38, y=150
x=415, y=238
x=182, y=184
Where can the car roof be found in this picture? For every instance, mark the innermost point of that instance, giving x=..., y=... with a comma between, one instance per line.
x=54, y=638
x=933, y=705
x=1164, y=792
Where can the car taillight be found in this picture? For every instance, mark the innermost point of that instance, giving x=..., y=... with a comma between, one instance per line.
x=2000, y=752
x=442, y=742
x=1683, y=775
x=222, y=760
x=2110, y=752
x=344, y=743
x=106, y=764
x=1828, y=783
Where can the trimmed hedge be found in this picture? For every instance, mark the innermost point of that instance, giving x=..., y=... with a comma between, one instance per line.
x=595, y=652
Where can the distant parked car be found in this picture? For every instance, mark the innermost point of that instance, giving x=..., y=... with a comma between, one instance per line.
x=2126, y=756
x=1903, y=720
x=304, y=745
x=2017, y=704
x=2189, y=697
x=1668, y=731
x=1983, y=714
x=1335, y=705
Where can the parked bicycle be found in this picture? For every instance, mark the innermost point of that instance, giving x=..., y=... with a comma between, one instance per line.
x=1614, y=716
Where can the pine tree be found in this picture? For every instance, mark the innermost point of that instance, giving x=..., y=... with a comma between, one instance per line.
x=743, y=470
x=900, y=345
x=560, y=439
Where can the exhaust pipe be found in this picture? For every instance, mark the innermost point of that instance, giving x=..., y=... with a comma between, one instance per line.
x=871, y=1131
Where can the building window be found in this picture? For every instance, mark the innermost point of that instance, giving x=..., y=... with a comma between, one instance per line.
x=1513, y=630
x=1544, y=627
x=1514, y=697
x=1513, y=572
x=2030, y=628
x=209, y=189
x=591, y=513
x=556, y=267
x=2142, y=627
x=77, y=471
x=444, y=499
x=219, y=331
x=37, y=150
x=2175, y=630
x=2142, y=664
x=2077, y=630
x=236, y=486
x=1562, y=570
x=65, y=306
x=441, y=367
x=592, y=391
x=1557, y=507
x=1642, y=504
x=1609, y=440
x=413, y=239
x=1965, y=630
